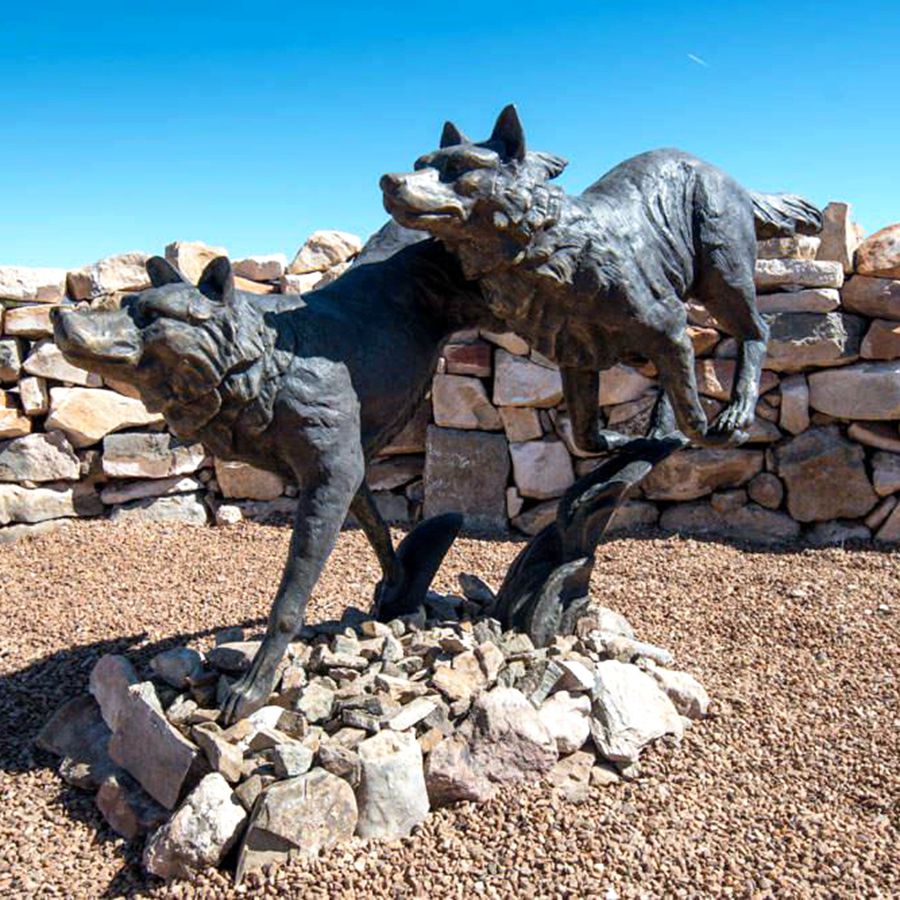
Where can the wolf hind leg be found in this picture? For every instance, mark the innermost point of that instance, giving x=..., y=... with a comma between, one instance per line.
x=673, y=355
x=581, y=388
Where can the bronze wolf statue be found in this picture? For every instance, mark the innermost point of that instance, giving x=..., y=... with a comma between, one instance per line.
x=600, y=278
x=309, y=386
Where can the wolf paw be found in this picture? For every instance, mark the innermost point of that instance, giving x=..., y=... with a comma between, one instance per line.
x=245, y=696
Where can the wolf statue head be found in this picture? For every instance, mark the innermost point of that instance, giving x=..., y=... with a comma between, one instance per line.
x=485, y=200
x=191, y=352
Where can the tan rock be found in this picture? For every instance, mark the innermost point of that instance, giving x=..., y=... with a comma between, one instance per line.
x=794, y=410
x=690, y=474
x=766, y=489
x=243, y=481
x=825, y=475
x=34, y=396
x=253, y=287
x=13, y=422
x=460, y=401
x=886, y=473
x=41, y=285
x=469, y=359
x=300, y=284
x=839, y=239
x=542, y=469
x=868, y=390
x=510, y=342
x=150, y=455
x=716, y=376
x=37, y=458
x=878, y=298
x=192, y=257
x=812, y=300
x=29, y=321
x=703, y=340
x=520, y=382
x=796, y=246
x=20, y=504
x=324, y=249
x=797, y=273
x=123, y=272
x=879, y=254
x=86, y=415
x=875, y=434
x=622, y=384
x=10, y=359
x=268, y=267
x=882, y=340
x=520, y=423
x=47, y=361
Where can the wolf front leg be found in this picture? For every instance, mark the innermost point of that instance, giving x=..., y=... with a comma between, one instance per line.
x=581, y=388
x=327, y=457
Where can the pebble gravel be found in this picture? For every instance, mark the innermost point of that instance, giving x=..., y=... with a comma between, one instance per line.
x=791, y=788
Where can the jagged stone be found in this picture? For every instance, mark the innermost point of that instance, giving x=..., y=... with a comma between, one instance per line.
x=10, y=359
x=243, y=481
x=794, y=410
x=201, y=832
x=128, y=810
x=192, y=257
x=686, y=693
x=86, y=414
x=127, y=491
x=150, y=455
x=571, y=777
x=268, y=267
x=797, y=273
x=460, y=401
x=567, y=718
x=520, y=382
x=324, y=249
x=177, y=666
x=542, y=469
x=868, y=391
x=123, y=272
x=839, y=238
x=882, y=340
x=47, y=361
x=622, y=384
x=795, y=246
x=30, y=322
x=24, y=284
x=879, y=254
x=878, y=298
x=690, y=474
x=38, y=457
x=798, y=341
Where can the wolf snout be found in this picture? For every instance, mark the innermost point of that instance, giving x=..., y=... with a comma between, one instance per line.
x=391, y=183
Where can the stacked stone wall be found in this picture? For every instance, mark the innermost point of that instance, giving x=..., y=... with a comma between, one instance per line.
x=493, y=439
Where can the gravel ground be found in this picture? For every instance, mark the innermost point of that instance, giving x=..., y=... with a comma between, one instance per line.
x=791, y=788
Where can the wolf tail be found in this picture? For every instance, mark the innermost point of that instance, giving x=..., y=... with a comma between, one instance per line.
x=783, y=215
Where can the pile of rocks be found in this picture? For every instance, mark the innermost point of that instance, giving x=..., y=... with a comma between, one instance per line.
x=822, y=463
x=371, y=726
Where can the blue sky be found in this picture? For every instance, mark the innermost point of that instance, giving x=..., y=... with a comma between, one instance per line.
x=126, y=126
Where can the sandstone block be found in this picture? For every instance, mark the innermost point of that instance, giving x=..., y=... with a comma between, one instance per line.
x=878, y=298
x=192, y=257
x=812, y=300
x=879, y=254
x=689, y=474
x=886, y=473
x=123, y=272
x=268, y=267
x=839, y=238
x=622, y=384
x=29, y=321
x=110, y=679
x=13, y=422
x=149, y=455
x=39, y=457
x=825, y=476
x=715, y=378
x=510, y=342
x=86, y=415
x=520, y=423
x=185, y=508
x=882, y=340
x=460, y=401
x=520, y=382
x=324, y=249
x=766, y=489
x=46, y=360
x=469, y=359
x=20, y=504
x=800, y=340
x=34, y=395
x=126, y=491
x=750, y=523
x=394, y=471
x=41, y=285
x=243, y=481
x=797, y=273
x=300, y=284
x=542, y=469
x=467, y=472
x=868, y=390
x=880, y=435
x=10, y=359
x=794, y=410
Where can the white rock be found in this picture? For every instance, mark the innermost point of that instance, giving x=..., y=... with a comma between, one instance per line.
x=32, y=284
x=123, y=272
x=46, y=360
x=202, y=831
x=629, y=711
x=20, y=504
x=796, y=273
x=269, y=267
x=324, y=249
x=391, y=797
x=460, y=401
x=520, y=382
x=243, y=481
x=39, y=457
x=685, y=692
x=228, y=514
x=567, y=717
x=542, y=469
x=86, y=415
x=34, y=395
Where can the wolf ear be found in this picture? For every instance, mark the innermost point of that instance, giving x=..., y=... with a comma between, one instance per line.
x=161, y=272
x=217, y=281
x=451, y=136
x=549, y=164
x=508, y=131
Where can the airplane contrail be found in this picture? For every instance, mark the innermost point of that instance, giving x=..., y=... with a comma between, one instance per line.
x=698, y=60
